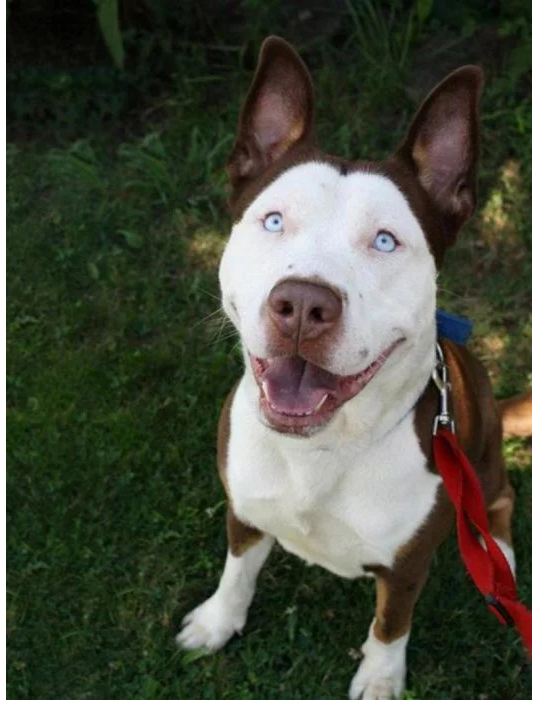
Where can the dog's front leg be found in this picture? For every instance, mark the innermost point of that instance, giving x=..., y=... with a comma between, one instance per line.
x=381, y=674
x=214, y=622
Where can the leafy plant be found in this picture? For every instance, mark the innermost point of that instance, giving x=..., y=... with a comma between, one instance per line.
x=107, y=12
x=386, y=32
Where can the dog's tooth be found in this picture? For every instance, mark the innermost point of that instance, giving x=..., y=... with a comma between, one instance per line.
x=321, y=403
x=265, y=389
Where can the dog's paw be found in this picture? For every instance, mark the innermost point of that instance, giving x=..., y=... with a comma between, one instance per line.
x=381, y=674
x=209, y=626
x=369, y=685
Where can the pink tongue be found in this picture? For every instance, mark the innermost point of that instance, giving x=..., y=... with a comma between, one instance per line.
x=294, y=386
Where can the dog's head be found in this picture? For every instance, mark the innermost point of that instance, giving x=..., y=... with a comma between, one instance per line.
x=329, y=274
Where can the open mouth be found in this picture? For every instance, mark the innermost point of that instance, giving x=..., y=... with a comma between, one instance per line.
x=297, y=396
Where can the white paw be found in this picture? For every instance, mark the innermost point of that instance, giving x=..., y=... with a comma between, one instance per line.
x=210, y=625
x=371, y=683
x=381, y=674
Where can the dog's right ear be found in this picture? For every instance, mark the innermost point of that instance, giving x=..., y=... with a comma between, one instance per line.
x=277, y=114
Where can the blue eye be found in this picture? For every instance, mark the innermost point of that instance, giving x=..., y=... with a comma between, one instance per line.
x=384, y=242
x=274, y=222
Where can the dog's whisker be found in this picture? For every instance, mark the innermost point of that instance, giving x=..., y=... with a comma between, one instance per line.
x=224, y=330
x=223, y=339
x=214, y=315
x=217, y=297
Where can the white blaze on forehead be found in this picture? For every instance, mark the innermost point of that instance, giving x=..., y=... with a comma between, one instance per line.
x=330, y=221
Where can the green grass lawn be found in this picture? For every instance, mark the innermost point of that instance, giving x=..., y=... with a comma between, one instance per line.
x=118, y=362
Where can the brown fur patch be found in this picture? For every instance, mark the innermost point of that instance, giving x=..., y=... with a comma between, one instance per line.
x=240, y=536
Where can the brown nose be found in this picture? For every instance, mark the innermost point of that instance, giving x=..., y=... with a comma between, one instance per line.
x=303, y=310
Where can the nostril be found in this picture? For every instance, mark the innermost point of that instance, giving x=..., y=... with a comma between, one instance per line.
x=316, y=314
x=284, y=308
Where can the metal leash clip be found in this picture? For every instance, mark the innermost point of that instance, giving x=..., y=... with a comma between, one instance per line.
x=440, y=376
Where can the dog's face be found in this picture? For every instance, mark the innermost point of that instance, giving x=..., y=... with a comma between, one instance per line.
x=329, y=273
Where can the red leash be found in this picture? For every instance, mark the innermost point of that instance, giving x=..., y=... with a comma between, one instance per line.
x=486, y=565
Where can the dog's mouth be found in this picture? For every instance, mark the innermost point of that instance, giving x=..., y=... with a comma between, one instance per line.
x=297, y=396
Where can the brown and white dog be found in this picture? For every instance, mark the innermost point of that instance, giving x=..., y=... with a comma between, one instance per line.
x=329, y=276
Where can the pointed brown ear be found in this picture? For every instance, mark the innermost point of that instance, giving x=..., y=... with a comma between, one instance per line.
x=442, y=145
x=277, y=113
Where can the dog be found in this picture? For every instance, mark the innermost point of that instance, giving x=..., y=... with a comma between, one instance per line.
x=329, y=277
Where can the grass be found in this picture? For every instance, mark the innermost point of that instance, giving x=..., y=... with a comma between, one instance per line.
x=118, y=362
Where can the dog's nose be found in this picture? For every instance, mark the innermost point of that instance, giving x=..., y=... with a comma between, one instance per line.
x=303, y=310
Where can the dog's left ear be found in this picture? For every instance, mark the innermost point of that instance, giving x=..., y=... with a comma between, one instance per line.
x=442, y=145
x=277, y=113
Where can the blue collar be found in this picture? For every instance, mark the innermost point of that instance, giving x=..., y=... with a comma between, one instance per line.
x=455, y=328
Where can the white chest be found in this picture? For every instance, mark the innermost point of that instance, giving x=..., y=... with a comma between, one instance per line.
x=339, y=505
